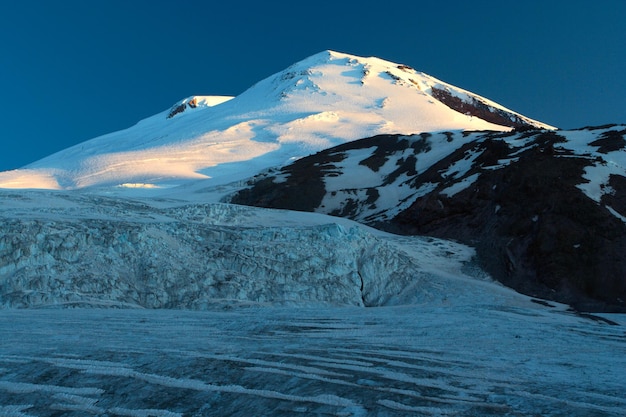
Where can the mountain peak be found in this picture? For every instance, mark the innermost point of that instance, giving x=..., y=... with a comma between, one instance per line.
x=321, y=101
x=331, y=73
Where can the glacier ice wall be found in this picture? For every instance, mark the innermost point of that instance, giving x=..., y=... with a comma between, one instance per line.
x=192, y=257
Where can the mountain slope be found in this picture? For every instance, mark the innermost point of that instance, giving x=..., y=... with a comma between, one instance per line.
x=325, y=100
x=545, y=210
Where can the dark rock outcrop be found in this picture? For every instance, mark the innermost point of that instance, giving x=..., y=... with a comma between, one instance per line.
x=533, y=229
x=519, y=198
x=479, y=109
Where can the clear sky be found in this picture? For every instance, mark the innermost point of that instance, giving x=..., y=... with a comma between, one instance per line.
x=74, y=70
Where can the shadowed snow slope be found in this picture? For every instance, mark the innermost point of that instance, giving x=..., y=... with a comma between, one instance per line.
x=325, y=100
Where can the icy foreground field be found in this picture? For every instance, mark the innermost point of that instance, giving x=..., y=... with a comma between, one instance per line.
x=390, y=361
x=293, y=322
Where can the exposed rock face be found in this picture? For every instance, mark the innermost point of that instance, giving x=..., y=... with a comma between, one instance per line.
x=533, y=228
x=545, y=210
x=479, y=109
x=196, y=102
x=318, y=182
x=181, y=106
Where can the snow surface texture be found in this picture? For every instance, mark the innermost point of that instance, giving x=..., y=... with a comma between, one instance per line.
x=322, y=101
x=74, y=249
x=453, y=360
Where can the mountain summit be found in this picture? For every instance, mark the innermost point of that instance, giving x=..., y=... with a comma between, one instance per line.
x=325, y=100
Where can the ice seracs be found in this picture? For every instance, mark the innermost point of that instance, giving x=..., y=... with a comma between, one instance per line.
x=197, y=256
x=325, y=100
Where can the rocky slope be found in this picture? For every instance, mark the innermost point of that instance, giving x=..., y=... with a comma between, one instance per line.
x=545, y=210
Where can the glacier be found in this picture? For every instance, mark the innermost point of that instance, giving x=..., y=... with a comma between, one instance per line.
x=161, y=307
x=66, y=249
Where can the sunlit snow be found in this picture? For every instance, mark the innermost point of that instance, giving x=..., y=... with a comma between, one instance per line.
x=322, y=101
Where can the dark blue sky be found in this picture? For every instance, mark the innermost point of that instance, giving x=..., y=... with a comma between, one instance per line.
x=73, y=70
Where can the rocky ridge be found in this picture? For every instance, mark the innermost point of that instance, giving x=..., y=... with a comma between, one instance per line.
x=545, y=210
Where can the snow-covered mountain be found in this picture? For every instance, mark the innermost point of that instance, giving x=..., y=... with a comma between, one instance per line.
x=137, y=220
x=325, y=100
x=429, y=146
